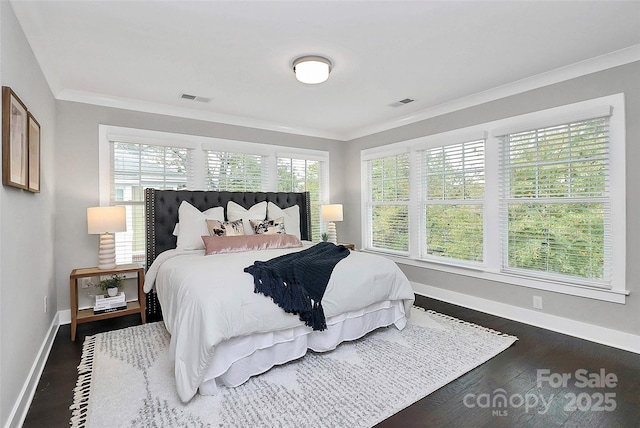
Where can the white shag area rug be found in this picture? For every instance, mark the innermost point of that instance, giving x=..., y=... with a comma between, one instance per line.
x=126, y=379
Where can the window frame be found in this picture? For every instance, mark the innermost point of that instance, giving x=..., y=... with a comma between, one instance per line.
x=135, y=224
x=424, y=202
x=198, y=146
x=263, y=172
x=491, y=268
x=315, y=206
x=368, y=204
x=548, y=200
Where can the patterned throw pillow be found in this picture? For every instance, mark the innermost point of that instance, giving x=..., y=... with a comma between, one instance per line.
x=268, y=227
x=226, y=228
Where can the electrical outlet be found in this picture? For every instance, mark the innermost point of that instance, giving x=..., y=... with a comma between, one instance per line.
x=85, y=282
x=45, y=304
x=537, y=302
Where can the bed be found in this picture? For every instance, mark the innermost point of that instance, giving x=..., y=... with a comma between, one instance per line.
x=222, y=332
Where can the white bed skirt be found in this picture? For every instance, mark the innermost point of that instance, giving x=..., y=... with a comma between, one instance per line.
x=237, y=359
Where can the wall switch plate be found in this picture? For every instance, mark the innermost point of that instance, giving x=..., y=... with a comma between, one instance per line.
x=537, y=302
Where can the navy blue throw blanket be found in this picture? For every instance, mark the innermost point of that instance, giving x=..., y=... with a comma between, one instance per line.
x=296, y=282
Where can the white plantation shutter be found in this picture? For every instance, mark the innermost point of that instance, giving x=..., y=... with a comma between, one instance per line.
x=302, y=175
x=556, y=204
x=235, y=172
x=132, y=160
x=535, y=200
x=135, y=167
x=387, y=206
x=452, y=201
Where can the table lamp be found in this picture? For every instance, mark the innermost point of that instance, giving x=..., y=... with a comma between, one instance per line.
x=331, y=213
x=104, y=221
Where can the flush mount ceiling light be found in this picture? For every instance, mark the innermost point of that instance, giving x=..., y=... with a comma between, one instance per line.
x=312, y=69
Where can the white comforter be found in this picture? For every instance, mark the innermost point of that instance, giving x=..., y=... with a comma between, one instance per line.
x=208, y=299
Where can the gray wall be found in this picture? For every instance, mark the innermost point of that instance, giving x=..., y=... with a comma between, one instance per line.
x=625, y=79
x=34, y=227
x=77, y=170
x=26, y=227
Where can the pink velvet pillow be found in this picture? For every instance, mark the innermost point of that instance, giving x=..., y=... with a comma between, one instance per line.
x=234, y=244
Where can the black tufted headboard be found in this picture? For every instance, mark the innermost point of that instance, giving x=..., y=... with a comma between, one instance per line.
x=161, y=208
x=162, y=211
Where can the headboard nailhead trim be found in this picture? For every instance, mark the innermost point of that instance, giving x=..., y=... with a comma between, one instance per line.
x=161, y=208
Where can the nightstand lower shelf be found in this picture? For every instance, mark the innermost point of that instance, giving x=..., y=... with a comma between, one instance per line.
x=87, y=315
x=80, y=316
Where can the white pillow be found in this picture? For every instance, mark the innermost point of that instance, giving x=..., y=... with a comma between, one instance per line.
x=193, y=225
x=210, y=211
x=237, y=212
x=291, y=217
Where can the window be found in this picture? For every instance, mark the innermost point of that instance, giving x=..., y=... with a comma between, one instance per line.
x=555, y=211
x=132, y=160
x=135, y=167
x=235, y=172
x=388, y=203
x=452, y=201
x=304, y=175
x=536, y=200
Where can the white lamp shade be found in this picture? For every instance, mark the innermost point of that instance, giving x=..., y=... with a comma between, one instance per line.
x=312, y=69
x=332, y=212
x=106, y=219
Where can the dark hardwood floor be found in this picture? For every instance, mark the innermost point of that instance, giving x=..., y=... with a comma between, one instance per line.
x=465, y=402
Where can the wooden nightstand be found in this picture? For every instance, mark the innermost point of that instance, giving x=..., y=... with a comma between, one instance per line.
x=349, y=246
x=87, y=315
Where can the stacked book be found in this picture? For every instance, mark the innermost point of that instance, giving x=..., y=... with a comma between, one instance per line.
x=106, y=304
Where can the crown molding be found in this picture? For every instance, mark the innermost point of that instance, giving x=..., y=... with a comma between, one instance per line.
x=187, y=113
x=593, y=65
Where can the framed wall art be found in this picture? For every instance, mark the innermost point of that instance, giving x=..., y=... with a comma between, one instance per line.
x=15, y=150
x=33, y=136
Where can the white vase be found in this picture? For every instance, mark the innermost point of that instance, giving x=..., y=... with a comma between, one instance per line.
x=112, y=291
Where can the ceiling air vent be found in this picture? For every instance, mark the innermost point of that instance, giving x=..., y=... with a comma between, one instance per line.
x=402, y=102
x=195, y=98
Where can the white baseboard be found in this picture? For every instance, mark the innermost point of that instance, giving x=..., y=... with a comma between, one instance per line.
x=64, y=317
x=605, y=336
x=593, y=333
x=21, y=406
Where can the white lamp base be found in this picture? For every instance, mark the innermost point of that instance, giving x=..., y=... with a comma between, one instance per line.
x=331, y=231
x=107, y=252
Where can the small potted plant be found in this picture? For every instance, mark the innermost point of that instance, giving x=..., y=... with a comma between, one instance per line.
x=325, y=237
x=112, y=284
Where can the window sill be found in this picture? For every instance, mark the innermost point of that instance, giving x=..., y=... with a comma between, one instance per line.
x=613, y=296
